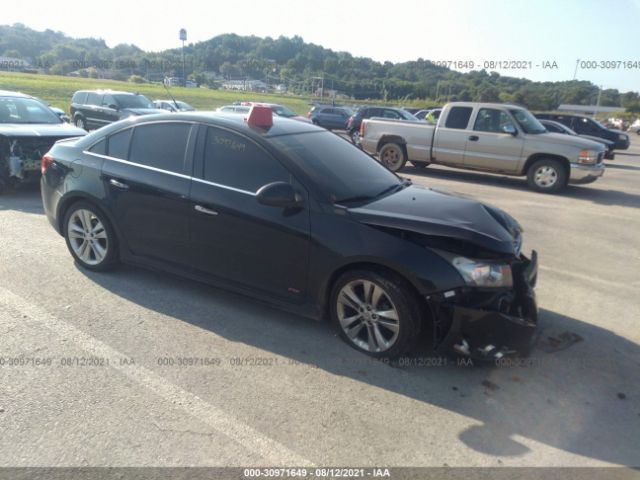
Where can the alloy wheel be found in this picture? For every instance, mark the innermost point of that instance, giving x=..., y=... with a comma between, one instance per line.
x=392, y=158
x=367, y=316
x=87, y=237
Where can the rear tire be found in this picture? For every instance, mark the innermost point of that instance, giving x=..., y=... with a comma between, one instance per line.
x=90, y=237
x=375, y=313
x=392, y=156
x=547, y=175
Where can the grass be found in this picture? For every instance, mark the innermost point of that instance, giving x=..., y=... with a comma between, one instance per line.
x=57, y=90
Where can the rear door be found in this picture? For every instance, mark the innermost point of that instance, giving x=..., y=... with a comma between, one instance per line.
x=489, y=147
x=235, y=238
x=450, y=140
x=147, y=176
x=91, y=110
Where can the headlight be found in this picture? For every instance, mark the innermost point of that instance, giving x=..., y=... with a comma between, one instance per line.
x=588, y=157
x=483, y=274
x=623, y=137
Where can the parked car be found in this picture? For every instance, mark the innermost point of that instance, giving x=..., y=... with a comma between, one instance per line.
x=234, y=109
x=329, y=117
x=294, y=215
x=557, y=127
x=279, y=110
x=91, y=109
x=58, y=111
x=492, y=137
x=173, y=105
x=353, y=124
x=588, y=126
x=28, y=129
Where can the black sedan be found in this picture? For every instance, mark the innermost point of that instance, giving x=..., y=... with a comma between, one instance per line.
x=294, y=215
x=557, y=127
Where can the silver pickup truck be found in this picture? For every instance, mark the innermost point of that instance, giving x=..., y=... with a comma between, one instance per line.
x=490, y=137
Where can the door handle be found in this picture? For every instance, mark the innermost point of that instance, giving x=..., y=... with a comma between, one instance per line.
x=474, y=138
x=208, y=211
x=117, y=184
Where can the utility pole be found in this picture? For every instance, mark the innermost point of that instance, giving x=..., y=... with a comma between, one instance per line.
x=595, y=112
x=183, y=37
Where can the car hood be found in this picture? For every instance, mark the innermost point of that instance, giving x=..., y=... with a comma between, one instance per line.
x=143, y=111
x=440, y=214
x=40, y=130
x=601, y=140
x=571, y=140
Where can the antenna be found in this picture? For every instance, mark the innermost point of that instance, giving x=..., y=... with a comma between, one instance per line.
x=169, y=93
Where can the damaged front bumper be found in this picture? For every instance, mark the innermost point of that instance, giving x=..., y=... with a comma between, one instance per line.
x=489, y=325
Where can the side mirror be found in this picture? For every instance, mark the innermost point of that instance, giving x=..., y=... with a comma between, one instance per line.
x=510, y=129
x=114, y=106
x=278, y=194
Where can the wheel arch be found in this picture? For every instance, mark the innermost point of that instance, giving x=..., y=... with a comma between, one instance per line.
x=389, y=138
x=539, y=156
x=72, y=198
x=373, y=266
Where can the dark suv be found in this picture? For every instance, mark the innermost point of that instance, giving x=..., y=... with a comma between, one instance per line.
x=91, y=109
x=587, y=126
x=353, y=124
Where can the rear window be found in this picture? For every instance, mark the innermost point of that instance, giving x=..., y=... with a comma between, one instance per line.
x=160, y=146
x=79, y=97
x=458, y=117
x=93, y=99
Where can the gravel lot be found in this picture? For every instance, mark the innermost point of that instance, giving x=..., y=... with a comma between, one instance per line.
x=274, y=389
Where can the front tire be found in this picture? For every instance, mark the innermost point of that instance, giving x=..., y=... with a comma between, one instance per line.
x=392, y=156
x=90, y=237
x=375, y=313
x=547, y=176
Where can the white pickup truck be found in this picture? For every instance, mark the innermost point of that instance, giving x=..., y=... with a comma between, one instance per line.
x=490, y=137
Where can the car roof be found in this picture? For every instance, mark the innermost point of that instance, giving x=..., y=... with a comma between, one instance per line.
x=7, y=93
x=110, y=92
x=233, y=121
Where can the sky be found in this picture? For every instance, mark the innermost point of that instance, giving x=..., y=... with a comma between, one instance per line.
x=556, y=34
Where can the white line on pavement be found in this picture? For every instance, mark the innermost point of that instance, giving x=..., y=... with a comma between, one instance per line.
x=271, y=450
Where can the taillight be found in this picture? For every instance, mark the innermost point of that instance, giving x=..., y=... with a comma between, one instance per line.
x=47, y=161
x=362, y=129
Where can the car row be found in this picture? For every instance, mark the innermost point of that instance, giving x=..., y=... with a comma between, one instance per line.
x=294, y=215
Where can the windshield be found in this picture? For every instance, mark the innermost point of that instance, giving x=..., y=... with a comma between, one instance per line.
x=527, y=121
x=184, y=106
x=133, y=101
x=25, y=110
x=406, y=115
x=344, y=172
x=282, y=111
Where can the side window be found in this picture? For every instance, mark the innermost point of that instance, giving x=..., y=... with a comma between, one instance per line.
x=491, y=120
x=391, y=114
x=79, y=97
x=373, y=112
x=100, y=148
x=118, y=145
x=93, y=99
x=458, y=117
x=237, y=162
x=161, y=145
x=108, y=100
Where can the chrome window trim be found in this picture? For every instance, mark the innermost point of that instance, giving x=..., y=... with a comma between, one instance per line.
x=175, y=174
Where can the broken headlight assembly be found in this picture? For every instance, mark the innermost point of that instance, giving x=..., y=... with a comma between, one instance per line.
x=489, y=273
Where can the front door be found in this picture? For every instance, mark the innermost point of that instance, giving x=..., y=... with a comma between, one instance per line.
x=489, y=147
x=235, y=238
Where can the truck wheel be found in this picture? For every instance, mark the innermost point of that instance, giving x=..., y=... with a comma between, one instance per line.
x=420, y=164
x=547, y=176
x=392, y=156
x=80, y=123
